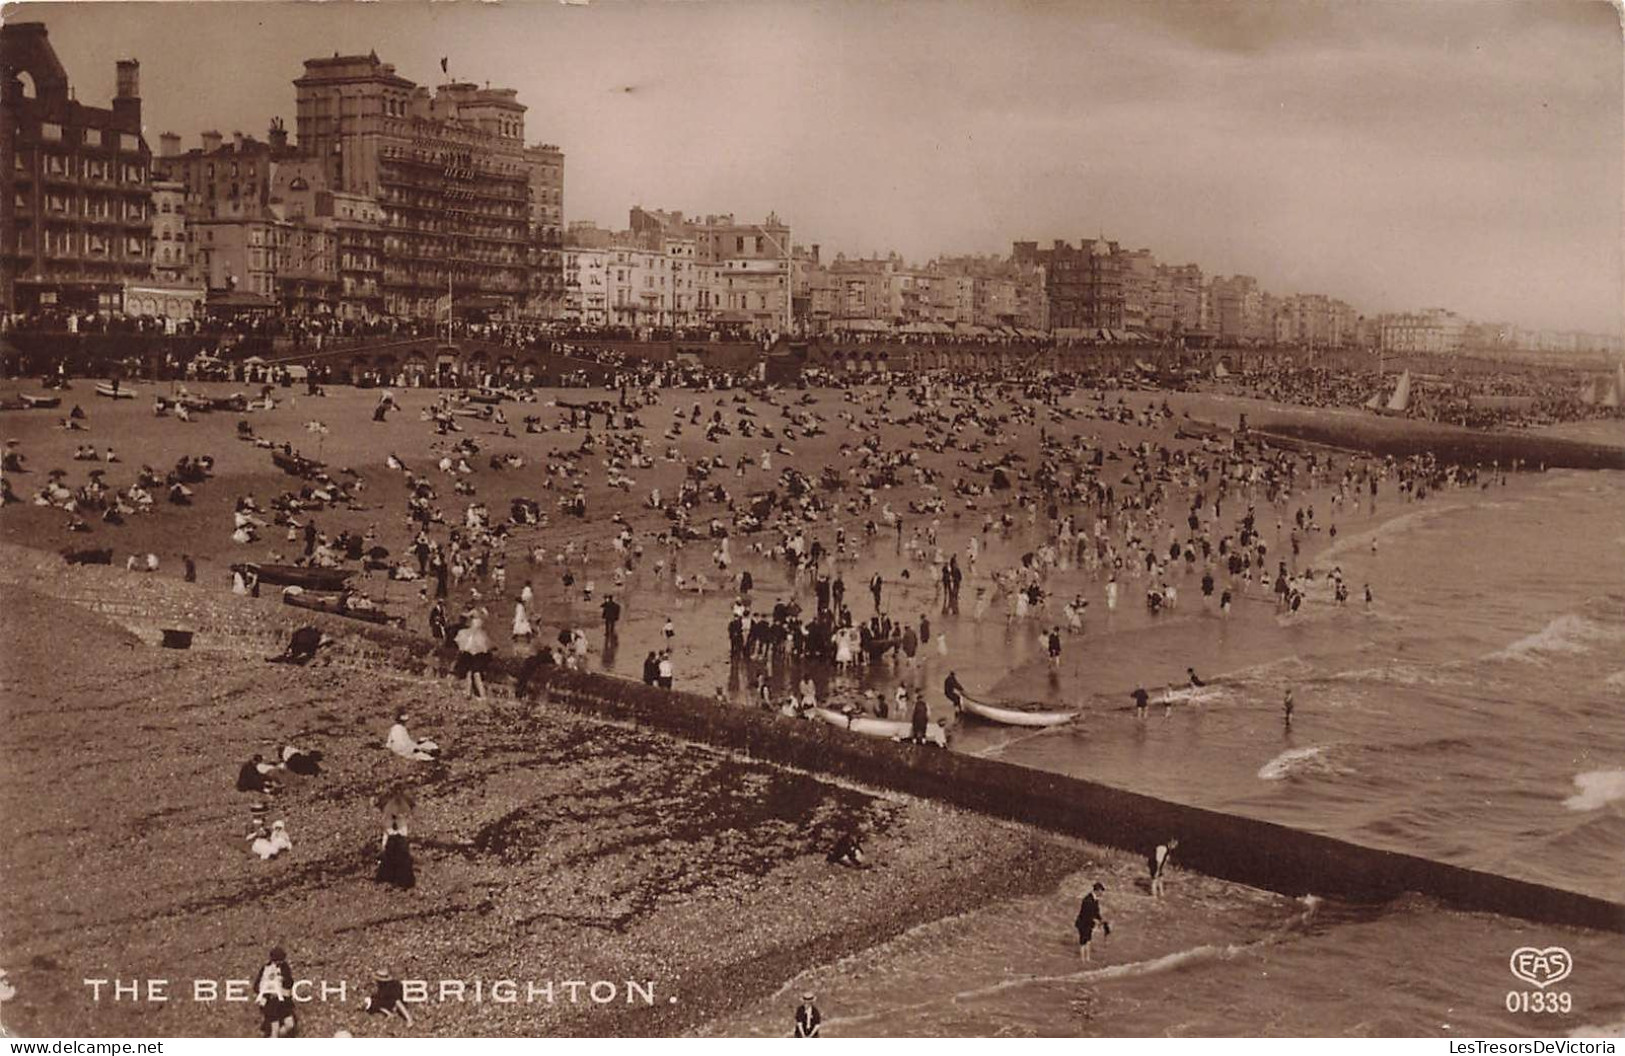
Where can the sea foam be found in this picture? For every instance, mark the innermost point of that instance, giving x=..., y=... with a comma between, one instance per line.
x=1597, y=788
x=1292, y=761
x=1569, y=634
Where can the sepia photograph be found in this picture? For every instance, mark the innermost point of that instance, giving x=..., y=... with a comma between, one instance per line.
x=812, y=518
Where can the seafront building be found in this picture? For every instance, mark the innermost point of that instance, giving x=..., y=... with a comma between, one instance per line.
x=76, y=205
x=744, y=268
x=453, y=176
x=398, y=200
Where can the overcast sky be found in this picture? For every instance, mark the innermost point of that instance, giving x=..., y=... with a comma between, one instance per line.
x=1400, y=155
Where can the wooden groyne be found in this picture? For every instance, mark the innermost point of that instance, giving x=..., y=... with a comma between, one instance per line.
x=1245, y=850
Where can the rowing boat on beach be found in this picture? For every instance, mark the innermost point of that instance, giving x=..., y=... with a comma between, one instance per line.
x=310, y=578
x=334, y=604
x=122, y=392
x=296, y=465
x=872, y=727
x=1013, y=717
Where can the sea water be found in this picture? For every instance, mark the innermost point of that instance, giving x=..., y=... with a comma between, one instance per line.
x=1473, y=714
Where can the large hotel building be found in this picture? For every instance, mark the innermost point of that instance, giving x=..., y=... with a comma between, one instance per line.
x=467, y=208
x=75, y=187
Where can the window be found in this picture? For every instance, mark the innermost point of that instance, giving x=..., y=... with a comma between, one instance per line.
x=135, y=247
x=129, y=141
x=739, y=244
x=56, y=165
x=51, y=132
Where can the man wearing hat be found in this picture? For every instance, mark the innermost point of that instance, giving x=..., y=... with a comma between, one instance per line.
x=808, y=1021
x=1089, y=915
x=388, y=997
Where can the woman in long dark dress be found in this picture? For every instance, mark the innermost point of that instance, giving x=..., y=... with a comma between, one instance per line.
x=395, y=864
x=274, y=994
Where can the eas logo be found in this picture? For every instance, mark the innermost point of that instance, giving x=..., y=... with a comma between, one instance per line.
x=1542, y=968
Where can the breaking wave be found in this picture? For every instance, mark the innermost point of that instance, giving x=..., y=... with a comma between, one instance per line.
x=1597, y=789
x=1569, y=634
x=1297, y=760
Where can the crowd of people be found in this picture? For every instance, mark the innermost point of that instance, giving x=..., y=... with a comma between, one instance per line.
x=1478, y=399
x=993, y=491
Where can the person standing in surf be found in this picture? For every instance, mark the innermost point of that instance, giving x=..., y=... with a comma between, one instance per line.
x=1089, y=915
x=1286, y=708
x=1159, y=864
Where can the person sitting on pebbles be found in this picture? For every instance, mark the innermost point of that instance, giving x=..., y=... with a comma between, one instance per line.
x=255, y=776
x=305, y=762
x=268, y=843
x=388, y=997
x=404, y=745
x=847, y=851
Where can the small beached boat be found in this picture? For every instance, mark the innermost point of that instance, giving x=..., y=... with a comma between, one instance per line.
x=873, y=727
x=297, y=465
x=324, y=579
x=39, y=402
x=1013, y=717
x=123, y=392
x=333, y=604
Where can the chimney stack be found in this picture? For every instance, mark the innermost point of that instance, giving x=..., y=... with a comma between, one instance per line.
x=169, y=145
x=278, y=136
x=211, y=142
x=129, y=79
x=127, y=101
x=237, y=141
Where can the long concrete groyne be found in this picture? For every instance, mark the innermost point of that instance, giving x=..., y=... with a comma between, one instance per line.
x=1402, y=438
x=1245, y=850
